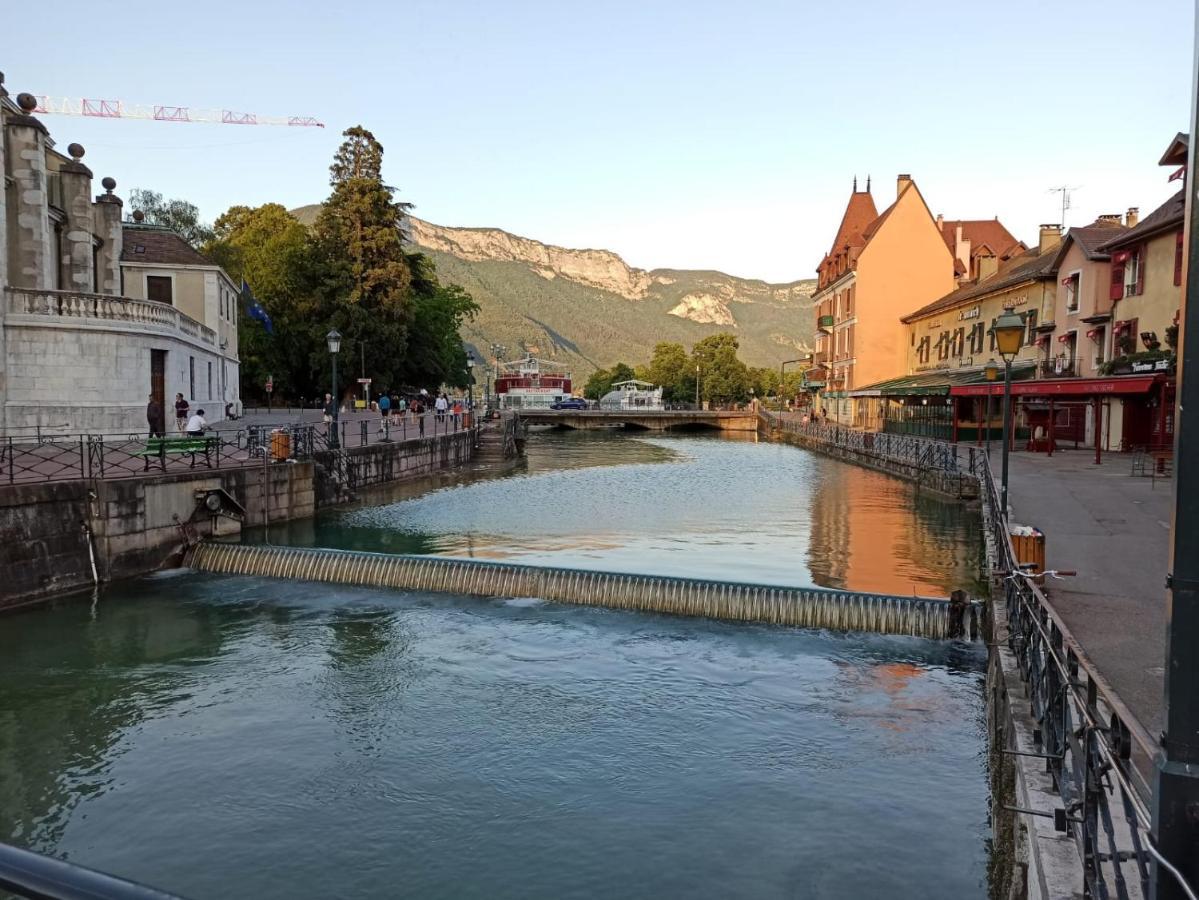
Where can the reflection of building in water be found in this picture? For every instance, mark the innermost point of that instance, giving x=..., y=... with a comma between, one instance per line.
x=531, y=383
x=632, y=395
x=889, y=547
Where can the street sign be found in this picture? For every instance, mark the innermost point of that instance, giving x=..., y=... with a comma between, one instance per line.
x=364, y=381
x=270, y=386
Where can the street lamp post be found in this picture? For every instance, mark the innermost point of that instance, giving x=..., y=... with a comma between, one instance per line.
x=334, y=340
x=697, y=386
x=991, y=371
x=470, y=385
x=1009, y=336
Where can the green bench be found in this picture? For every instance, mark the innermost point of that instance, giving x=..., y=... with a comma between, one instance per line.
x=161, y=447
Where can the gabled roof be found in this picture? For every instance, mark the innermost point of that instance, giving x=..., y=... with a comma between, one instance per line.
x=981, y=233
x=859, y=213
x=1091, y=239
x=1029, y=266
x=157, y=245
x=1176, y=153
x=1167, y=217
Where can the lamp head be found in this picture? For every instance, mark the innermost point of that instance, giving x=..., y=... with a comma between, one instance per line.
x=1009, y=334
x=334, y=340
x=991, y=370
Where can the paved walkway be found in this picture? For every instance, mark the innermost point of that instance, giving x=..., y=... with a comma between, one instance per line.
x=1113, y=529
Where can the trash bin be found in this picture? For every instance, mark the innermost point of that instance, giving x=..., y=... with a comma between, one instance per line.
x=280, y=444
x=1029, y=544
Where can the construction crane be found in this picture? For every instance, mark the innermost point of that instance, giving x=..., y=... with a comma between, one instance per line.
x=119, y=109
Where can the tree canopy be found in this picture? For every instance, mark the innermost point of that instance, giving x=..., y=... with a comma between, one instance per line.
x=181, y=217
x=350, y=271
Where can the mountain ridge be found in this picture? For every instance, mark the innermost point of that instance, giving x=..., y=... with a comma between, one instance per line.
x=591, y=309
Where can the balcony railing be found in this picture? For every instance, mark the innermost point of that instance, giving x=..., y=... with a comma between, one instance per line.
x=104, y=307
x=1058, y=367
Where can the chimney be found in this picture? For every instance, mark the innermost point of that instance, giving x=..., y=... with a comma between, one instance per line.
x=1051, y=235
x=901, y=184
x=940, y=222
x=1132, y=217
x=1109, y=219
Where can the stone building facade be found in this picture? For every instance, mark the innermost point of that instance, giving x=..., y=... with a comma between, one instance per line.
x=79, y=351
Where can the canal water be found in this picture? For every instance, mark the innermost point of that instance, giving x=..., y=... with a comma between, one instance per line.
x=238, y=737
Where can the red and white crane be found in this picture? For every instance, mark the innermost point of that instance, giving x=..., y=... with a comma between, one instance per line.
x=119, y=109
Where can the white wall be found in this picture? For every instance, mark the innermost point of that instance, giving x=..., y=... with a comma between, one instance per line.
x=96, y=379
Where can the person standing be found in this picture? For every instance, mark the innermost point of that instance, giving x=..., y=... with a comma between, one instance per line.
x=384, y=410
x=154, y=418
x=182, y=408
x=441, y=404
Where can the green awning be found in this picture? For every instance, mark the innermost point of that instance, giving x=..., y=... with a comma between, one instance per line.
x=937, y=382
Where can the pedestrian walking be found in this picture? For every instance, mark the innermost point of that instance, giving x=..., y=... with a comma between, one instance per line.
x=441, y=404
x=384, y=410
x=418, y=410
x=154, y=418
x=182, y=408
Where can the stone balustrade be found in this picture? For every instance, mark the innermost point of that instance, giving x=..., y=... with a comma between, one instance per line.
x=105, y=307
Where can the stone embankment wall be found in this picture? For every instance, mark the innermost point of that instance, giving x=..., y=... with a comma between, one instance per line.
x=51, y=533
x=863, y=450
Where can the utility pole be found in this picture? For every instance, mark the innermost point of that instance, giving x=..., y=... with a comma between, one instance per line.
x=1176, y=780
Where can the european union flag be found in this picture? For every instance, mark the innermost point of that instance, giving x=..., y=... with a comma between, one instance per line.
x=254, y=308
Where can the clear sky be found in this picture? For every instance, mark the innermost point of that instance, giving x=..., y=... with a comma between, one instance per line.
x=688, y=134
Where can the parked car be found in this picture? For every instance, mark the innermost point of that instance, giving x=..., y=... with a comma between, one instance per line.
x=570, y=403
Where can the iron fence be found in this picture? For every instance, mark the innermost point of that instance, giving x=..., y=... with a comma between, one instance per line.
x=1100, y=757
x=900, y=448
x=28, y=457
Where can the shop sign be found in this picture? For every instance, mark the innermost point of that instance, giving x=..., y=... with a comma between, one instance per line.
x=1157, y=365
x=1013, y=302
x=972, y=313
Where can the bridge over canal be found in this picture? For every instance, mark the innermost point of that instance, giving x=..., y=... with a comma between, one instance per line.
x=643, y=419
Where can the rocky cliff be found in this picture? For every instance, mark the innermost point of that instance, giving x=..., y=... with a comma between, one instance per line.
x=590, y=309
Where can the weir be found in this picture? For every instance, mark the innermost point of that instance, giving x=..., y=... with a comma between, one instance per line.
x=732, y=601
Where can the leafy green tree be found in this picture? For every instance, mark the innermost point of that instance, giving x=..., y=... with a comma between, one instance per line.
x=723, y=377
x=671, y=370
x=598, y=384
x=436, y=354
x=181, y=217
x=268, y=248
x=364, y=272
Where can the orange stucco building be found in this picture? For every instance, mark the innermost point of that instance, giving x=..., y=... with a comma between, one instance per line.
x=879, y=267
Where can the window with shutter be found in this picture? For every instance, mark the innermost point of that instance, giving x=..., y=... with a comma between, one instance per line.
x=1178, y=259
x=1117, y=289
x=1138, y=259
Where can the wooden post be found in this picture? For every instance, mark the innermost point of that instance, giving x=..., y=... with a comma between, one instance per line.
x=1098, y=428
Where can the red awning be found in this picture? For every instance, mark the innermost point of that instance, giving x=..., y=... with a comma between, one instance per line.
x=1064, y=387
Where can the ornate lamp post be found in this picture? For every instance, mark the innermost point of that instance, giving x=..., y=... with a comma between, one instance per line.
x=697, y=385
x=333, y=338
x=1009, y=336
x=991, y=371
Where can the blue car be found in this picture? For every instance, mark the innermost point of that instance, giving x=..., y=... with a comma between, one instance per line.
x=570, y=403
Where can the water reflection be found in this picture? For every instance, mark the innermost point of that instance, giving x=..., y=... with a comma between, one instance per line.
x=705, y=507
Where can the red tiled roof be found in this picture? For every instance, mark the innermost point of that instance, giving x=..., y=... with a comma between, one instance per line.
x=153, y=244
x=981, y=233
x=1092, y=238
x=1166, y=217
x=859, y=213
x=1029, y=265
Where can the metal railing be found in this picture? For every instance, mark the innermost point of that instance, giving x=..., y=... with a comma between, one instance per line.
x=898, y=448
x=33, y=456
x=28, y=874
x=1058, y=367
x=1099, y=755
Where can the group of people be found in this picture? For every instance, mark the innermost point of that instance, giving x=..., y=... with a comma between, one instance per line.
x=186, y=422
x=393, y=408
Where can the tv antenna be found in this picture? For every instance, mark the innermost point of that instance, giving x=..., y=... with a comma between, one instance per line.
x=1065, y=191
